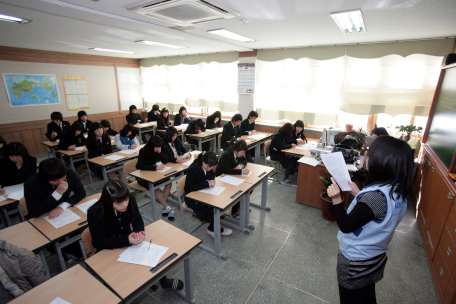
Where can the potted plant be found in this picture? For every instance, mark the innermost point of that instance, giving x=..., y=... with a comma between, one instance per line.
x=409, y=129
x=348, y=127
x=325, y=199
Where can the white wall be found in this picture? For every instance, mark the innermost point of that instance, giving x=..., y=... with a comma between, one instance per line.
x=130, y=87
x=101, y=87
x=246, y=101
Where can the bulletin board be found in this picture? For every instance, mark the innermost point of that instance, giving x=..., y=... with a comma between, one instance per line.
x=76, y=95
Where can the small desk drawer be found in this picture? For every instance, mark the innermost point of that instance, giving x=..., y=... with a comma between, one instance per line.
x=448, y=250
x=442, y=275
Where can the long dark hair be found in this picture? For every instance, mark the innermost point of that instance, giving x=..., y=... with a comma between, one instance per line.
x=154, y=141
x=114, y=192
x=182, y=109
x=164, y=121
x=168, y=136
x=391, y=163
x=2, y=141
x=127, y=128
x=199, y=123
x=92, y=138
x=380, y=131
x=298, y=123
x=16, y=149
x=238, y=145
x=216, y=114
x=286, y=130
x=209, y=157
x=77, y=126
x=356, y=140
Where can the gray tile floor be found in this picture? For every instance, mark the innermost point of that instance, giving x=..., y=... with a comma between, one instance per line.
x=290, y=257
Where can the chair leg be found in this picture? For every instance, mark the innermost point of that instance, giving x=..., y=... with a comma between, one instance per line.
x=179, y=199
x=84, y=254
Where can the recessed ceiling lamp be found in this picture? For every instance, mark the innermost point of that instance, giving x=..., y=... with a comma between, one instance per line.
x=160, y=44
x=230, y=35
x=349, y=22
x=113, y=51
x=13, y=19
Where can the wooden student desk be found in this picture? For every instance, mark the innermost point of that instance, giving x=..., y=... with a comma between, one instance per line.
x=57, y=235
x=144, y=128
x=256, y=143
x=75, y=285
x=4, y=207
x=220, y=204
x=74, y=156
x=52, y=145
x=208, y=135
x=129, y=281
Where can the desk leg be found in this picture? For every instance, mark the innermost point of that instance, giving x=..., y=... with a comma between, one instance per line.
x=182, y=137
x=53, y=151
x=188, y=296
x=105, y=175
x=200, y=145
x=242, y=215
x=247, y=211
x=88, y=170
x=257, y=153
x=7, y=218
x=217, y=234
x=43, y=261
x=58, y=250
x=140, y=136
x=72, y=163
x=152, y=201
x=19, y=209
x=215, y=144
x=125, y=176
x=264, y=196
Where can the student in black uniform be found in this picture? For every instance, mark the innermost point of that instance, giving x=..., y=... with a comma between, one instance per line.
x=182, y=117
x=82, y=115
x=200, y=175
x=214, y=120
x=247, y=128
x=133, y=117
x=17, y=166
x=107, y=129
x=115, y=222
x=173, y=147
x=57, y=127
x=379, y=132
x=196, y=127
x=231, y=130
x=233, y=161
x=154, y=113
x=71, y=140
x=148, y=158
x=281, y=141
x=163, y=120
x=2, y=146
x=298, y=131
x=98, y=144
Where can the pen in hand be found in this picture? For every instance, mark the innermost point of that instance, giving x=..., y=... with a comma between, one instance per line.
x=150, y=243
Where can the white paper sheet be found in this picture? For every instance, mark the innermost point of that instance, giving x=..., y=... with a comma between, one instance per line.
x=188, y=163
x=84, y=207
x=114, y=157
x=232, y=180
x=185, y=155
x=17, y=195
x=247, y=140
x=335, y=164
x=215, y=191
x=183, y=126
x=59, y=301
x=352, y=168
x=141, y=254
x=309, y=161
x=219, y=129
x=2, y=198
x=164, y=170
x=63, y=219
x=79, y=148
x=129, y=151
x=247, y=174
x=14, y=188
x=303, y=147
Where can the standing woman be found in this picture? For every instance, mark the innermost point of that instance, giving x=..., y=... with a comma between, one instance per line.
x=173, y=147
x=298, y=131
x=71, y=140
x=214, y=121
x=151, y=158
x=17, y=166
x=368, y=225
x=126, y=138
x=163, y=120
x=154, y=113
x=115, y=222
x=200, y=175
x=182, y=117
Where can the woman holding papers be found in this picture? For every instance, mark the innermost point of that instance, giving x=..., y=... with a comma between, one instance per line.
x=17, y=166
x=298, y=131
x=173, y=147
x=368, y=225
x=126, y=138
x=151, y=158
x=71, y=140
x=163, y=120
x=111, y=220
x=200, y=175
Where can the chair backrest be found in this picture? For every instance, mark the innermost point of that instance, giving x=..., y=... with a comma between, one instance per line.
x=130, y=166
x=155, y=129
x=172, y=123
x=181, y=185
x=86, y=238
x=23, y=206
x=266, y=147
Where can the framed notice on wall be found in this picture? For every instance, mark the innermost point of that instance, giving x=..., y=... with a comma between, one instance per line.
x=246, y=78
x=76, y=95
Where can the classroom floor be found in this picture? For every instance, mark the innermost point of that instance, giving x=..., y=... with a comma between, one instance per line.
x=290, y=257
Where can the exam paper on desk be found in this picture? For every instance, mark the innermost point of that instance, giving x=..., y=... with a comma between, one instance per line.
x=80, y=148
x=12, y=189
x=129, y=151
x=66, y=217
x=114, y=157
x=309, y=161
x=232, y=180
x=141, y=254
x=250, y=172
x=59, y=301
x=85, y=206
x=215, y=191
x=188, y=163
x=164, y=170
x=335, y=164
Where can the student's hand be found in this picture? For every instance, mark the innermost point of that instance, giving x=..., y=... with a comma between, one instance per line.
x=179, y=160
x=188, y=156
x=211, y=183
x=53, y=134
x=160, y=167
x=301, y=142
x=253, y=131
x=355, y=189
x=239, y=167
x=293, y=146
x=72, y=147
x=135, y=238
x=334, y=192
x=199, y=131
x=245, y=171
x=133, y=147
x=216, y=119
x=2, y=191
x=55, y=212
x=111, y=137
x=139, y=120
x=62, y=188
x=242, y=138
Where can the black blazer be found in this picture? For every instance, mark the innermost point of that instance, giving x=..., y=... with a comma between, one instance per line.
x=52, y=127
x=227, y=163
x=196, y=179
x=162, y=126
x=151, y=116
x=10, y=175
x=146, y=163
x=180, y=149
x=279, y=143
x=299, y=135
x=111, y=132
x=246, y=126
x=101, y=238
x=133, y=118
x=229, y=133
x=87, y=126
x=191, y=128
x=69, y=139
x=98, y=149
x=179, y=119
x=210, y=124
x=38, y=194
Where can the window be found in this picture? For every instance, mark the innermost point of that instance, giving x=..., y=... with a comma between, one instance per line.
x=195, y=110
x=421, y=121
x=358, y=121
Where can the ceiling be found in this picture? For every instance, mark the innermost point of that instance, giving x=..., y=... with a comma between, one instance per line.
x=272, y=23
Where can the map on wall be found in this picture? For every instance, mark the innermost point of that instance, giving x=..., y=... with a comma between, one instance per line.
x=31, y=89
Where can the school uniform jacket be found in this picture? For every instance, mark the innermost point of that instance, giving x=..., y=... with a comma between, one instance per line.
x=180, y=119
x=101, y=238
x=161, y=125
x=279, y=143
x=111, y=132
x=210, y=124
x=145, y=163
x=133, y=118
x=87, y=125
x=102, y=148
x=151, y=116
x=299, y=135
x=246, y=127
x=196, y=179
x=10, y=175
x=69, y=140
x=229, y=132
x=40, y=197
x=191, y=128
x=52, y=127
x=228, y=162
x=180, y=149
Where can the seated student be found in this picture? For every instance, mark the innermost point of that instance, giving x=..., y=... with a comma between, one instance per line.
x=163, y=120
x=200, y=175
x=248, y=124
x=2, y=146
x=98, y=144
x=107, y=129
x=233, y=161
x=214, y=120
x=82, y=118
x=147, y=160
x=231, y=130
x=17, y=166
x=133, y=117
x=115, y=222
x=57, y=127
x=379, y=132
x=154, y=113
x=281, y=141
x=298, y=131
x=196, y=127
x=71, y=140
x=182, y=117
x=173, y=147
x=126, y=138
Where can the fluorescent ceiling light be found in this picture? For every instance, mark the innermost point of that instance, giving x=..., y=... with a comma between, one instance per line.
x=230, y=35
x=108, y=50
x=13, y=19
x=349, y=22
x=160, y=44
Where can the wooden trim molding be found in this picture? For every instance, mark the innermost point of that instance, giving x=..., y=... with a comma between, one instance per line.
x=119, y=103
x=248, y=54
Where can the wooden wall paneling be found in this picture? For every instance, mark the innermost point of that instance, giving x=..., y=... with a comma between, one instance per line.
x=32, y=141
x=119, y=123
x=248, y=54
x=12, y=136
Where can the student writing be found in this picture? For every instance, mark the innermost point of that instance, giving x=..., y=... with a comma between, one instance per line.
x=231, y=130
x=182, y=117
x=154, y=113
x=196, y=127
x=107, y=129
x=17, y=166
x=298, y=131
x=173, y=147
x=57, y=127
x=82, y=118
x=247, y=128
x=71, y=140
x=163, y=120
x=126, y=138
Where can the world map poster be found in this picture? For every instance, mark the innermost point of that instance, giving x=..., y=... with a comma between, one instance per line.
x=31, y=89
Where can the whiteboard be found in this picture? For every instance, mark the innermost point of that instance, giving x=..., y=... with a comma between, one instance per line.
x=130, y=87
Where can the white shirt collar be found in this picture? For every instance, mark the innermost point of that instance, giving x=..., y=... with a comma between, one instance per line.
x=249, y=121
x=204, y=171
x=235, y=157
x=233, y=125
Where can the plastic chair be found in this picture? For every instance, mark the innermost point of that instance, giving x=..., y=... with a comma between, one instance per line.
x=183, y=207
x=267, y=158
x=129, y=167
x=86, y=244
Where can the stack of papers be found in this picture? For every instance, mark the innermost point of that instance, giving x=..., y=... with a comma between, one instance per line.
x=188, y=163
x=309, y=161
x=232, y=180
x=166, y=169
x=79, y=148
x=336, y=166
x=2, y=198
x=84, y=207
x=301, y=147
x=215, y=191
x=63, y=219
x=114, y=157
x=141, y=254
x=129, y=151
x=15, y=192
